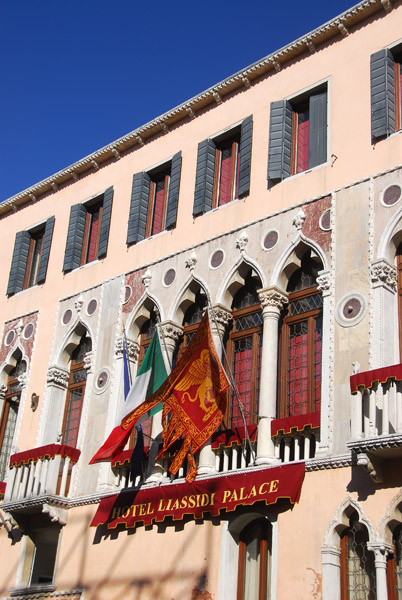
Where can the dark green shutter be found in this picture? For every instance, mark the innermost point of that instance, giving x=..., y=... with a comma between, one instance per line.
x=75, y=237
x=382, y=93
x=204, y=179
x=105, y=223
x=173, y=196
x=246, y=138
x=44, y=257
x=137, y=221
x=19, y=262
x=280, y=140
x=317, y=136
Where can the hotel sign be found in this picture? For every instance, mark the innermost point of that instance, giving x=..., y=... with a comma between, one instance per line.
x=207, y=496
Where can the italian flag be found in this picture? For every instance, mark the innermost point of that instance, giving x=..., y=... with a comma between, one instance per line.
x=150, y=376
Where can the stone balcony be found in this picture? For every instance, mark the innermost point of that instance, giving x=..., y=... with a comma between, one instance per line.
x=376, y=421
x=37, y=478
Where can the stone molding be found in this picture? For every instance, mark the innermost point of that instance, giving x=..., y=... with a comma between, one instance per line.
x=57, y=376
x=132, y=349
x=273, y=298
x=383, y=274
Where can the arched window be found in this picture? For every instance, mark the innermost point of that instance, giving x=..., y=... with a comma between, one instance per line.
x=244, y=349
x=146, y=334
x=253, y=574
x=399, y=269
x=75, y=392
x=299, y=376
x=9, y=414
x=394, y=566
x=191, y=320
x=357, y=563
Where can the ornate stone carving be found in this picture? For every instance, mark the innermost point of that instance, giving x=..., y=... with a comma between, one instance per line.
x=132, y=349
x=273, y=298
x=299, y=219
x=324, y=282
x=382, y=273
x=23, y=380
x=88, y=362
x=355, y=367
x=19, y=327
x=171, y=331
x=146, y=278
x=56, y=514
x=374, y=466
x=191, y=261
x=57, y=376
x=221, y=314
x=3, y=390
x=242, y=241
x=79, y=303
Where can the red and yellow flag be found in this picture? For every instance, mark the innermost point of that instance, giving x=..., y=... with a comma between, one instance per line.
x=193, y=400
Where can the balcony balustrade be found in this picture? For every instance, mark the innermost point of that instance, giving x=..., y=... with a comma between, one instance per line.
x=43, y=471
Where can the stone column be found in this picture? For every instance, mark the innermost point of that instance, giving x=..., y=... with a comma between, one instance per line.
x=384, y=348
x=331, y=572
x=381, y=551
x=324, y=286
x=171, y=334
x=272, y=301
x=219, y=318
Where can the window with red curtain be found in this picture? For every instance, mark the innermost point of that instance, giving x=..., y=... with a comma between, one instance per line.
x=75, y=392
x=244, y=354
x=300, y=137
x=226, y=176
x=253, y=573
x=9, y=415
x=300, y=345
x=91, y=233
x=35, y=251
x=394, y=566
x=158, y=194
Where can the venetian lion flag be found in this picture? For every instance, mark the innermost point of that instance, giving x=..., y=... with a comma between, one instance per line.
x=150, y=376
x=193, y=400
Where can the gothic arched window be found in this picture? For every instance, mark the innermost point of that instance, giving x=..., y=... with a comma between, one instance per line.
x=244, y=349
x=9, y=414
x=299, y=377
x=357, y=563
x=75, y=392
x=394, y=566
x=191, y=320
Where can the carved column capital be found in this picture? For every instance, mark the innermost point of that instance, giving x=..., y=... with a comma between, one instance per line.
x=57, y=376
x=221, y=315
x=3, y=391
x=132, y=349
x=171, y=333
x=324, y=282
x=23, y=380
x=381, y=551
x=383, y=274
x=88, y=362
x=272, y=300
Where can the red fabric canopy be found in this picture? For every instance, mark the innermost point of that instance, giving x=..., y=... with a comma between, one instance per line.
x=208, y=496
x=298, y=422
x=3, y=486
x=237, y=435
x=368, y=378
x=49, y=451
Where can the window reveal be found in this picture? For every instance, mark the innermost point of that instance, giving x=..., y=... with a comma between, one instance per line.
x=9, y=415
x=226, y=177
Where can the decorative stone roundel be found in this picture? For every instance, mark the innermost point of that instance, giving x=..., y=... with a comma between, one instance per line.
x=351, y=309
x=169, y=277
x=325, y=220
x=102, y=379
x=270, y=240
x=127, y=293
x=28, y=331
x=10, y=337
x=67, y=316
x=216, y=259
x=92, y=306
x=391, y=195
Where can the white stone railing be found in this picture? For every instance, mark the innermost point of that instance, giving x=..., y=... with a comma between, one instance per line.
x=44, y=471
x=300, y=445
x=377, y=408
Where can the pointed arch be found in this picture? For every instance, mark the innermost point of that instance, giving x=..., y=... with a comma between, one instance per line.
x=186, y=297
x=70, y=341
x=141, y=313
x=391, y=238
x=340, y=521
x=290, y=260
x=235, y=279
x=391, y=519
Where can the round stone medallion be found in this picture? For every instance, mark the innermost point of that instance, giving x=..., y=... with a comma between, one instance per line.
x=28, y=331
x=391, y=195
x=127, y=293
x=325, y=220
x=270, y=239
x=351, y=309
x=169, y=277
x=67, y=316
x=10, y=337
x=217, y=259
x=92, y=306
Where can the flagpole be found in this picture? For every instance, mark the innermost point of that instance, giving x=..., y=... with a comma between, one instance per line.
x=232, y=381
x=130, y=379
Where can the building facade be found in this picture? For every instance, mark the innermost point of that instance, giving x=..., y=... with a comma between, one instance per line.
x=272, y=200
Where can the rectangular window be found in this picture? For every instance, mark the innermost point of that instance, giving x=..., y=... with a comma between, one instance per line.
x=298, y=134
x=398, y=91
x=88, y=231
x=154, y=200
x=386, y=92
x=30, y=257
x=226, y=175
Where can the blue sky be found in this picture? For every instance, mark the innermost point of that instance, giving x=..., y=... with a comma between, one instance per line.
x=78, y=74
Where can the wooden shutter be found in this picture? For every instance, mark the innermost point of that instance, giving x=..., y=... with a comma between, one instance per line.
x=204, y=179
x=137, y=221
x=246, y=137
x=105, y=222
x=75, y=237
x=382, y=93
x=44, y=257
x=317, y=142
x=19, y=262
x=173, y=196
x=280, y=140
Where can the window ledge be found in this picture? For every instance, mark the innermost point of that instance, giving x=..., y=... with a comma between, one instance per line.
x=296, y=175
x=33, y=589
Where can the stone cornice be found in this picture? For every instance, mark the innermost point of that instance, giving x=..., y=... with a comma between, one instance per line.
x=160, y=125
